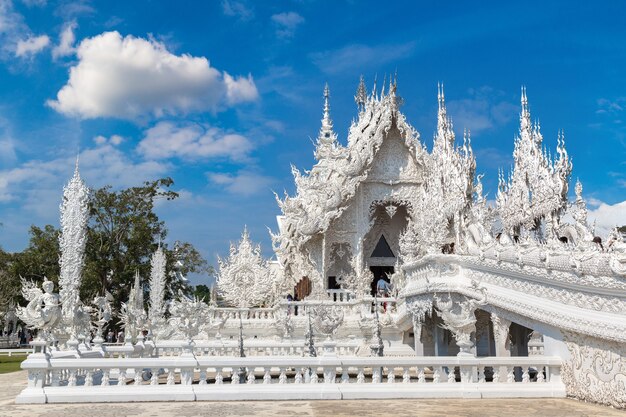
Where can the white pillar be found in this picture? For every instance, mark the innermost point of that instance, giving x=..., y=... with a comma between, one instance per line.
x=501, y=338
x=417, y=335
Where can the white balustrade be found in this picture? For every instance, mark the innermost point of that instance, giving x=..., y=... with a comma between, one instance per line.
x=185, y=378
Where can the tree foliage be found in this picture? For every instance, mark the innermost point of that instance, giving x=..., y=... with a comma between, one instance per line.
x=123, y=233
x=203, y=293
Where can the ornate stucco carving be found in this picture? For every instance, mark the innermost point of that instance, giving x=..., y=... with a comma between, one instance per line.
x=43, y=311
x=72, y=240
x=536, y=190
x=596, y=370
x=245, y=279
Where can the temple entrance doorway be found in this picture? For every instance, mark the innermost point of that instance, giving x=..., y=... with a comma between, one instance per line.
x=380, y=272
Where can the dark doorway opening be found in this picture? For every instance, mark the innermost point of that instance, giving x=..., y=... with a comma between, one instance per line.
x=333, y=284
x=380, y=272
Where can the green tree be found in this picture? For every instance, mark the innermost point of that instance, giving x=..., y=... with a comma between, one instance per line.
x=41, y=256
x=40, y=259
x=9, y=284
x=202, y=292
x=123, y=233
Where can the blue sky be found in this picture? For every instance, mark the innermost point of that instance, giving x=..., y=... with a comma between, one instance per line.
x=223, y=95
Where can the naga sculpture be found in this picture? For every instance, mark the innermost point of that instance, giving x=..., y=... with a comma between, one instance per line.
x=461, y=320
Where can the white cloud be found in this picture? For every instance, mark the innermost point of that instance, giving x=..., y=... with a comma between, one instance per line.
x=130, y=78
x=359, y=56
x=287, y=23
x=237, y=9
x=192, y=141
x=113, y=140
x=607, y=216
x=12, y=29
x=242, y=183
x=7, y=151
x=484, y=109
x=99, y=166
x=31, y=46
x=66, y=41
x=240, y=89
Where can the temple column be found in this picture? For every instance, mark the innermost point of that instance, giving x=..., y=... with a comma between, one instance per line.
x=417, y=336
x=501, y=338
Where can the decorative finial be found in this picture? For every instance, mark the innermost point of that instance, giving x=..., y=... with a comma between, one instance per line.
x=326, y=119
x=375, y=86
x=361, y=94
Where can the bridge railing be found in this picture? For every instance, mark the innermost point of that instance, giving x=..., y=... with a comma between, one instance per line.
x=189, y=378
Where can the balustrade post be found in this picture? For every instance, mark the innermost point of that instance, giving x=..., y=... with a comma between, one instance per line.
x=376, y=375
x=421, y=377
x=267, y=377
x=121, y=379
x=360, y=379
x=436, y=375
x=55, y=378
x=137, y=378
x=219, y=378
x=105, y=377
x=89, y=378
x=540, y=376
x=510, y=374
x=391, y=377
x=406, y=375
x=451, y=376
x=345, y=377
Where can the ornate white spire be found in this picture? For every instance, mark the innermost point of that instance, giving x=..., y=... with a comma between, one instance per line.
x=327, y=123
x=132, y=314
x=361, y=95
x=157, y=285
x=327, y=139
x=537, y=188
x=72, y=241
x=445, y=135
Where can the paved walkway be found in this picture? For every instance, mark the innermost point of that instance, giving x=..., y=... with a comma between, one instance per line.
x=11, y=384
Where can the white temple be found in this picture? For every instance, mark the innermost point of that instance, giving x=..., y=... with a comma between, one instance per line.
x=390, y=267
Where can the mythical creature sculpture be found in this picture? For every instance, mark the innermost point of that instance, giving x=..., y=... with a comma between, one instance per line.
x=189, y=316
x=103, y=311
x=327, y=318
x=43, y=311
x=461, y=320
